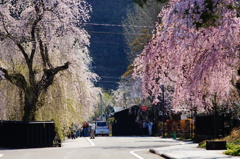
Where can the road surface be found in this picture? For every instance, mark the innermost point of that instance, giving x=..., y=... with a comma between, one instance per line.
x=98, y=148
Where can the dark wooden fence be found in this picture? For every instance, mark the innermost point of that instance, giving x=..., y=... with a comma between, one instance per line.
x=212, y=126
x=125, y=123
x=125, y=129
x=18, y=134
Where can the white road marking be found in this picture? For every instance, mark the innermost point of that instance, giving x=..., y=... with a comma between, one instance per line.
x=136, y=155
x=1, y=155
x=90, y=141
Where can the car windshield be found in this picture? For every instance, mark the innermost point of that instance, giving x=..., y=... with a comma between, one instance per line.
x=101, y=124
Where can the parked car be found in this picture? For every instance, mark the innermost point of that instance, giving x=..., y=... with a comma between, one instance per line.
x=101, y=128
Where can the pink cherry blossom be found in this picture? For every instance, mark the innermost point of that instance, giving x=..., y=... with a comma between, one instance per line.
x=195, y=50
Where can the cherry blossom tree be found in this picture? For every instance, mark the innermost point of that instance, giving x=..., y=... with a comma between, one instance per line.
x=195, y=51
x=39, y=39
x=72, y=98
x=129, y=92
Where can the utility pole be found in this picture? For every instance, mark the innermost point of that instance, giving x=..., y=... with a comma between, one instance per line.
x=101, y=107
x=215, y=130
x=162, y=86
x=95, y=113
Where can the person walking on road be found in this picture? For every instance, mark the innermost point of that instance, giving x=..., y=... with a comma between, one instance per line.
x=144, y=127
x=150, y=125
x=93, y=127
x=85, y=129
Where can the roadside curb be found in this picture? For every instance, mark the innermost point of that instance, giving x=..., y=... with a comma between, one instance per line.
x=162, y=155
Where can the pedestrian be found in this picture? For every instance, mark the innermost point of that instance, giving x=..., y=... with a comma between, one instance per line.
x=85, y=129
x=93, y=127
x=150, y=125
x=140, y=124
x=144, y=127
x=81, y=132
x=72, y=136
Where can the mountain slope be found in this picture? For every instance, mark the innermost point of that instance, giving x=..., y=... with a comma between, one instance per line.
x=107, y=43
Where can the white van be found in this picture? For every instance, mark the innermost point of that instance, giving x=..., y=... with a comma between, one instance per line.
x=102, y=128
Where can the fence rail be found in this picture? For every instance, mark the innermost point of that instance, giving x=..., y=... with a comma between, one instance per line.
x=19, y=134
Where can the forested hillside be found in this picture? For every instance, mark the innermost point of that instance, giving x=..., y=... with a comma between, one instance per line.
x=107, y=42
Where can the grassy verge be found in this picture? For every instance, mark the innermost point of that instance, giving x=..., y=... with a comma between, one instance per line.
x=233, y=143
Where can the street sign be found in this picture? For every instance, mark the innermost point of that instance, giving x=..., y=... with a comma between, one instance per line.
x=144, y=108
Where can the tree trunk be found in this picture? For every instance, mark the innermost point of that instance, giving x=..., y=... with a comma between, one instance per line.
x=238, y=83
x=32, y=90
x=30, y=104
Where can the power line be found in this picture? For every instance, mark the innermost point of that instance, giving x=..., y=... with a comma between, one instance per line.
x=107, y=81
x=108, y=69
x=116, y=25
x=109, y=77
x=94, y=24
x=107, y=43
x=114, y=33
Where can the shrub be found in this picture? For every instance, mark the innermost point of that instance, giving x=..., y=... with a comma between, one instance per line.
x=233, y=143
x=202, y=144
x=234, y=150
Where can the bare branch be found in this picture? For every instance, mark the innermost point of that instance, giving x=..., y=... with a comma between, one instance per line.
x=44, y=53
x=33, y=38
x=49, y=75
x=14, y=40
x=15, y=78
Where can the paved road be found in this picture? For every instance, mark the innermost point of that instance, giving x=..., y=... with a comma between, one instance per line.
x=99, y=148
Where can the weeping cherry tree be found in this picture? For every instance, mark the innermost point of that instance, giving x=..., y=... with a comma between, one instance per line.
x=37, y=38
x=196, y=51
